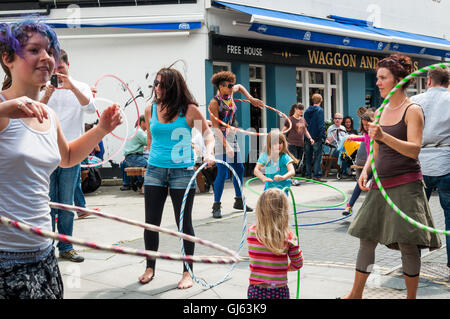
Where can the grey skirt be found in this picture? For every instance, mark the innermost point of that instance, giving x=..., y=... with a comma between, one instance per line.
x=376, y=221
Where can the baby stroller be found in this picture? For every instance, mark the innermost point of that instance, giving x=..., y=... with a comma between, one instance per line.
x=347, y=152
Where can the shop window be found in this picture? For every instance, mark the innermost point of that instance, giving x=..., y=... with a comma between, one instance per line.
x=221, y=66
x=316, y=77
x=324, y=82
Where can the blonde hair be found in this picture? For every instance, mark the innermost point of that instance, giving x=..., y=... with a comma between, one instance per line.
x=316, y=98
x=276, y=135
x=272, y=220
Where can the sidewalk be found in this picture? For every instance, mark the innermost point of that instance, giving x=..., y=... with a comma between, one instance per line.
x=326, y=274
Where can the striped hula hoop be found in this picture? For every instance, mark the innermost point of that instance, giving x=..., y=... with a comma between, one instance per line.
x=237, y=129
x=372, y=161
x=233, y=258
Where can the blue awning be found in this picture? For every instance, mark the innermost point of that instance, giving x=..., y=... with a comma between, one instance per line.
x=338, y=31
x=404, y=41
x=148, y=26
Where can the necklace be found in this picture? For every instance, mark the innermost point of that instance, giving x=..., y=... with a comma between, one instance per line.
x=397, y=107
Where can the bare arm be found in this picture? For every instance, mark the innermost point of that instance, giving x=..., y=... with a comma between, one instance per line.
x=195, y=116
x=148, y=117
x=243, y=90
x=258, y=173
x=76, y=151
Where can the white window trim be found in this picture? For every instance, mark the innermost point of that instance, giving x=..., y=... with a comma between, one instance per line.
x=220, y=63
x=326, y=87
x=263, y=89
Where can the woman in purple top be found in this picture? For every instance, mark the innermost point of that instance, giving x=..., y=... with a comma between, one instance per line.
x=296, y=136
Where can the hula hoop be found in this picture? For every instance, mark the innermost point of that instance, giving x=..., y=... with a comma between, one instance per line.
x=134, y=100
x=296, y=231
x=372, y=161
x=324, y=222
x=248, y=132
x=244, y=228
x=247, y=184
x=123, y=141
x=233, y=258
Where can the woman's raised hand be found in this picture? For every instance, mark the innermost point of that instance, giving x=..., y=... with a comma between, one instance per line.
x=110, y=118
x=23, y=107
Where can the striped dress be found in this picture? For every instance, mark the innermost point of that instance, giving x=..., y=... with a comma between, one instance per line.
x=265, y=266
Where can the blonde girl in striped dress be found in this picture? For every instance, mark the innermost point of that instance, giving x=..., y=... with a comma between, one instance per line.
x=272, y=247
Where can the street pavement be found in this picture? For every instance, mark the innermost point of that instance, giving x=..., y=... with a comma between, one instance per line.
x=329, y=252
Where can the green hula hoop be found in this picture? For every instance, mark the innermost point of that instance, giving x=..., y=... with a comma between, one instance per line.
x=309, y=180
x=296, y=232
x=372, y=161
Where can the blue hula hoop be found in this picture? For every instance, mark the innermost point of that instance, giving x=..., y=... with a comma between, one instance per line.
x=324, y=222
x=244, y=228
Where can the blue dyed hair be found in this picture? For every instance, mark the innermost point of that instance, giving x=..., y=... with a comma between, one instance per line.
x=14, y=36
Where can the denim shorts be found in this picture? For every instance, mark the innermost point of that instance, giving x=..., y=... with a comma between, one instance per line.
x=174, y=178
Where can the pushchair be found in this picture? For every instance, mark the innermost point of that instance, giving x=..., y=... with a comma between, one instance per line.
x=347, y=152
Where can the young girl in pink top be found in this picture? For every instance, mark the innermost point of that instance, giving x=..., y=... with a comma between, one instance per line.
x=366, y=118
x=272, y=247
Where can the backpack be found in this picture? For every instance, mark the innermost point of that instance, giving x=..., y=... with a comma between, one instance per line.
x=93, y=181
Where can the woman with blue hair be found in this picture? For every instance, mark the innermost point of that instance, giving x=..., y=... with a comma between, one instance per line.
x=32, y=145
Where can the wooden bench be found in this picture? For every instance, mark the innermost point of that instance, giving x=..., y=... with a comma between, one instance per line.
x=135, y=171
x=356, y=167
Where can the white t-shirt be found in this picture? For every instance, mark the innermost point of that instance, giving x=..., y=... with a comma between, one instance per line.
x=435, y=102
x=337, y=134
x=27, y=158
x=69, y=110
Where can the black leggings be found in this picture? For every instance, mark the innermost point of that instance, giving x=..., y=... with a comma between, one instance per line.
x=155, y=198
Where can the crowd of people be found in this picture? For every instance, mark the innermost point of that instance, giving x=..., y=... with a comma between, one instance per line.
x=49, y=119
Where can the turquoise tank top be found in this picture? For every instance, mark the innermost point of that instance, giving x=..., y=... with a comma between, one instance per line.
x=171, y=142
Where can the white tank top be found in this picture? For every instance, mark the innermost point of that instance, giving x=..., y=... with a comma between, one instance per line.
x=27, y=158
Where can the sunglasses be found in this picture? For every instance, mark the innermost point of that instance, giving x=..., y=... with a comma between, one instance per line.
x=230, y=86
x=156, y=83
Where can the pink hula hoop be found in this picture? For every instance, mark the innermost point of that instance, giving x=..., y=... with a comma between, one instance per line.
x=237, y=129
x=134, y=100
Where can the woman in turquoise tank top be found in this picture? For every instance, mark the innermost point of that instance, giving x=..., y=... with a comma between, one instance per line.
x=170, y=119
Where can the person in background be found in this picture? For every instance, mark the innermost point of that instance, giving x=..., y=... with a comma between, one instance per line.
x=297, y=135
x=69, y=100
x=226, y=146
x=348, y=124
x=336, y=134
x=435, y=153
x=313, y=151
x=364, y=148
x=277, y=162
x=134, y=156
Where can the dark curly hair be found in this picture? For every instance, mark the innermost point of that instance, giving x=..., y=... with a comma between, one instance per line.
x=224, y=76
x=399, y=65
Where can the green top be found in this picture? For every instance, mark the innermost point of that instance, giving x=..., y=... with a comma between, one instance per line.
x=136, y=144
